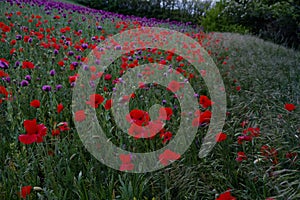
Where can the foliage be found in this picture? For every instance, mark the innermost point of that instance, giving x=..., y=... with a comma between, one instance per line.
x=278, y=21
x=214, y=20
x=184, y=11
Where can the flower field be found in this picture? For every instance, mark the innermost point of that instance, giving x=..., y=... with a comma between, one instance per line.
x=44, y=45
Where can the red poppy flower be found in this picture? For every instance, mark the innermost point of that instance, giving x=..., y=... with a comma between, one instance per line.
x=203, y=73
x=226, y=196
x=124, y=158
x=244, y=123
x=167, y=156
x=205, y=102
x=26, y=38
x=25, y=190
x=243, y=138
x=12, y=51
x=55, y=132
x=166, y=136
x=61, y=63
x=139, y=117
x=108, y=104
x=202, y=118
x=179, y=58
x=6, y=29
x=63, y=126
x=27, y=65
x=221, y=137
x=13, y=42
x=95, y=100
x=34, y=132
x=126, y=163
x=241, y=156
x=60, y=107
x=3, y=91
x=35, y=103
x=3, y=74
x=136, y=131
x=72, y=79
x=93, y=69
x=254, y=132
x=80, y=116
x=107, y=77
x=165, y=113
x=289, y=107
x=174, y=86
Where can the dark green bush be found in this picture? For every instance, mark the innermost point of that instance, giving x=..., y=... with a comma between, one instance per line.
x=275, y=20
x=179, y=10
x=278, y=21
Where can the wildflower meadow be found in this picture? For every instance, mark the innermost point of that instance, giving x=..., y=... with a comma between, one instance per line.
x=183, y=113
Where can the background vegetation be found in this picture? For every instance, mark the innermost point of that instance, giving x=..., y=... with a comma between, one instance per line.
x=275, y=20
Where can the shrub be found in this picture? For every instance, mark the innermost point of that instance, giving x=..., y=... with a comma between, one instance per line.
x=215, y=20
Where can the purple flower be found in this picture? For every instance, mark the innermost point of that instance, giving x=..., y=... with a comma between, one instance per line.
x=70, y=53
x=55, y=51
x=58, y=87
x=97, y=62
x=24, y=83
x=18, y=37
x=29, y=40
x=78, y=58
x=28, y=77
x=17, y=64
x=118, y=47
x=52, y=72
x=8, y=79
x=73, y=84
x=3, y=65
x=84, y=46
x=92, y=84
x=99, y=28
x=47, y=88
x=164, y=101
x=75, y=64
x=85, y=68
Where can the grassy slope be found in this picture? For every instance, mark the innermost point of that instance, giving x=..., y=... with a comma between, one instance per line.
x=269, y=76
